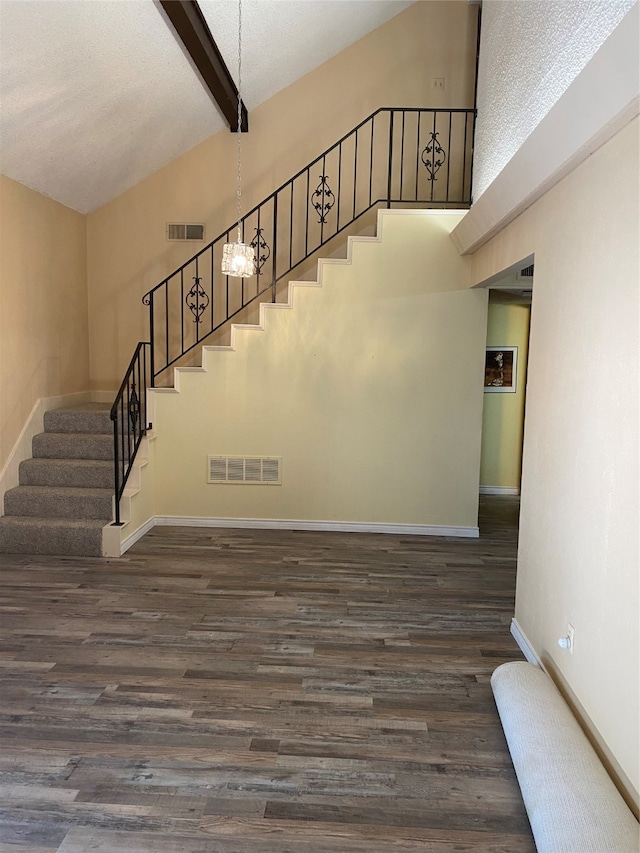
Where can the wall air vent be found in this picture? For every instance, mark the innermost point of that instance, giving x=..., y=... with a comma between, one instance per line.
x=526, y=274
x=185, y=231
x=256, y=470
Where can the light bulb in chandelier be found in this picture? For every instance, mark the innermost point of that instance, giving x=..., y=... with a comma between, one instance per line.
x=238, y=259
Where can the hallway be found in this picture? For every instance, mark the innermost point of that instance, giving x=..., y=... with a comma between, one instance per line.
x=260, y=691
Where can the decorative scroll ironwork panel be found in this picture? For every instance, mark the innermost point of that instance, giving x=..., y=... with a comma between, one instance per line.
x=433, y=156
x=323, y=199
x=197, y=299
x=261, y=250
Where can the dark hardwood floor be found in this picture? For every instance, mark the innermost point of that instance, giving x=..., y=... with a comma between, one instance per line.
x=246, y=691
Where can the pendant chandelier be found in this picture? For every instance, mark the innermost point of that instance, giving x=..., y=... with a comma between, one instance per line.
x=238, y=259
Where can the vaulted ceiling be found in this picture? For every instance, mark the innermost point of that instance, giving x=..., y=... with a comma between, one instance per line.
x=97, y=94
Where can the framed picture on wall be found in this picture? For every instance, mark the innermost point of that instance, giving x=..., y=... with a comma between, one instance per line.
x=500, y=370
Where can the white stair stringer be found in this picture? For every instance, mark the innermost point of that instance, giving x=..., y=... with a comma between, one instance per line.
x=401, y=289
x=288, y=305
x=117, y=539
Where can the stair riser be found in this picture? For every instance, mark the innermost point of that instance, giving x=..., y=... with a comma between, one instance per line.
x=53, y=506
x=44, y=472
x=36, y=539
x=65, y=496
x=86, y=422
x=60, y=446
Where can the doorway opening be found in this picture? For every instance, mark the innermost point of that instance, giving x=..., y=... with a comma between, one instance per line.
x=507, y=350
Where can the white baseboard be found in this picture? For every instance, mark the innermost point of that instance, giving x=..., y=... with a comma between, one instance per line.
x=138, y=534
x=35, y=424
x=330, y=526
x=523, y=642
x=289, y=524
x=498, y=490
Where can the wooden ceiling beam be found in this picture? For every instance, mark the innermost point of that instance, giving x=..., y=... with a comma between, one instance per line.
x=193, y=31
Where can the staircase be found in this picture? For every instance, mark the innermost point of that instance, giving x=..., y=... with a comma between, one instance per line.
x=408, y=157
x=397, y=157
x=65, y=492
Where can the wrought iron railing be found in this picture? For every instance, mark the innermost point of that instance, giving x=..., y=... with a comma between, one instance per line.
x=396, y=156
x=129, y=417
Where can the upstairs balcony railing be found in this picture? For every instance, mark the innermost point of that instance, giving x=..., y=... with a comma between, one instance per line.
x=408, y=157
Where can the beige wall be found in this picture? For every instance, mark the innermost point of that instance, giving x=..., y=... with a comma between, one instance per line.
x=127, y=250
x=370, y=390
x=578, y=554
x=44, y=349
x=503, y=414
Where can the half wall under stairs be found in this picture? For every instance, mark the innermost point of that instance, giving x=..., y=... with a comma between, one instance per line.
x=367, y=386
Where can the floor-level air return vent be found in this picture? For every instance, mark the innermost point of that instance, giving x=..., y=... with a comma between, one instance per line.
x=254, y=470
x=185, y=231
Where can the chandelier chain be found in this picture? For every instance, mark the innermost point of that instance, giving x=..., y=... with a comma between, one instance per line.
x=239, y=125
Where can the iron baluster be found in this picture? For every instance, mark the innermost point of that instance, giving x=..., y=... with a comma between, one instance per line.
x=242, y=302
x=227, y=280
x=390, y=159
x=401, y=158
x=212, y=302
x=166, y=322
x=464, y=161
x=373, y=127
x=449, y=163
x=275, y=246
x=182, y=309
x=116, y=471
x=306, y=219
x=197, y=318
x=291, y=227
x=355, y=173
x=339, y=184
x=418, y=153
x=143, y=378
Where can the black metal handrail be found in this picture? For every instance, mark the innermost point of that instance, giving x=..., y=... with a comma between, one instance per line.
x=396, y=156
x=129, y=417
x=408, y=156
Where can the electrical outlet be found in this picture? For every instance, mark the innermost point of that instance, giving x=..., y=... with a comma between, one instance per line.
x=570, y=637
x=438, y=83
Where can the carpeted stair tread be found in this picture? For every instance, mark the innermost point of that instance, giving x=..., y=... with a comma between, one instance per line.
x=59, y=502
x=20, y=535
x=60, y=445
x=65, y=492
x=89, y=418
x=71, y=473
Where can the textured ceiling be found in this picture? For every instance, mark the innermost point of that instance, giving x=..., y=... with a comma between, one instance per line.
x=518, y=87
x=97, y=94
